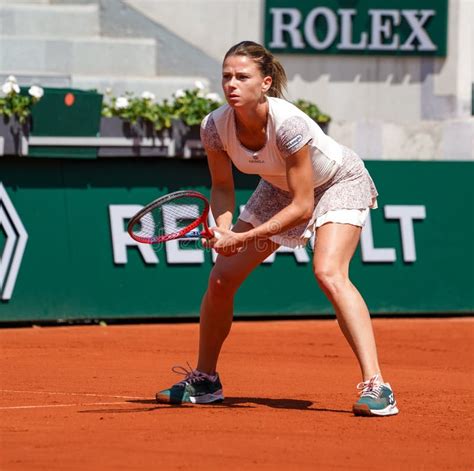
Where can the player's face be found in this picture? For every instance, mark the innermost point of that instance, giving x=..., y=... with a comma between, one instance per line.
x=242, y=82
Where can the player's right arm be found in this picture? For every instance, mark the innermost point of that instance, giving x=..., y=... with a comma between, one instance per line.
x=220, y=167
x=222, y=189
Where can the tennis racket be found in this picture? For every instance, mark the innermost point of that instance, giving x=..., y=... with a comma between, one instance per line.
x=176, y=215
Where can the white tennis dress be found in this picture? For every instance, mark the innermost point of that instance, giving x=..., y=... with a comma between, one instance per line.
x=343, y=188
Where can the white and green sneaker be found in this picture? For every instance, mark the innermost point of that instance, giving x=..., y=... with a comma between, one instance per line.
x=196, y=388
x=376, y=399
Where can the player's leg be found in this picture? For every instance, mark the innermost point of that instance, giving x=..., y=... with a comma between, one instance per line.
x=334, y=247
x=203, y=385
x=218, y=302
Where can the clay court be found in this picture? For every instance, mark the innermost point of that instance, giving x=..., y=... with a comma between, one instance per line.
x=81, y=398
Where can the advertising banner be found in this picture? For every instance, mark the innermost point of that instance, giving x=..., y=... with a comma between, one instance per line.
x=405, y=27
x=65, y=252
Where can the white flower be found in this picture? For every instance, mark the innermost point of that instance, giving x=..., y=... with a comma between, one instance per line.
x=121, y=103
x=10, y=87
x=12, y=79
x=36, y=92
x=179, y=93
x=148, y=96
x=199, y=85
x=213, y=97
x=108, y=91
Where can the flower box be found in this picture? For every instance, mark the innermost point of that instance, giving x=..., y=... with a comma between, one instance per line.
x=12, y=134
x=166, y=128
x=324, y=126
x=120, y=138
x=15, y=115
x=312, y=110
x=188, y=140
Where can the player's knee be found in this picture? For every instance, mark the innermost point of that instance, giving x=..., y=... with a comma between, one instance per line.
x=330, y=279
x=222, y=284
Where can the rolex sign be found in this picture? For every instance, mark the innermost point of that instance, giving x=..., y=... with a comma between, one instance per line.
x=405, y=27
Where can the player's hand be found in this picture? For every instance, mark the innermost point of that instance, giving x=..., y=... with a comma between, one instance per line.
x=226, y=242
x=209, y=243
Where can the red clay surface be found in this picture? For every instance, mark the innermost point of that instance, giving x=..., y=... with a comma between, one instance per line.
x=81, y=398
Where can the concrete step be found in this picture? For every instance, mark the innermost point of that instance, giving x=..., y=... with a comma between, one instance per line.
x=90, y=56
x=23, y=2
x=26, y=79
x=49, y=20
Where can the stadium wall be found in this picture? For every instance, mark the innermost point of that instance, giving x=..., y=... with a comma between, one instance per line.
x=413, y=88
x=66, y=254
x=383, y=106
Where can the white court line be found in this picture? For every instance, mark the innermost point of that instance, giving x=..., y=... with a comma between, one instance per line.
x=71, y=394
x=64, y=405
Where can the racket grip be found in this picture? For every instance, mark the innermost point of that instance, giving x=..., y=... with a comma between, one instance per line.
x=196, y=234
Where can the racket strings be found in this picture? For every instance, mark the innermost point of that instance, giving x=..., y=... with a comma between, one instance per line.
x=169, y=219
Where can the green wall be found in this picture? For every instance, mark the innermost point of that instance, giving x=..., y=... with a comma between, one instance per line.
x=68, y=269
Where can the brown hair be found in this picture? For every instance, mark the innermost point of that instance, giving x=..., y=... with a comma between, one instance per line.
x=268, y=65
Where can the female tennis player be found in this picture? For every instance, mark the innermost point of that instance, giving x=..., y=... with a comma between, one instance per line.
x=309, y=184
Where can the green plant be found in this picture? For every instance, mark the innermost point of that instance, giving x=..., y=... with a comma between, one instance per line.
x=14, y=103
x=192, y=105
x=134, y=109
x=312, y=110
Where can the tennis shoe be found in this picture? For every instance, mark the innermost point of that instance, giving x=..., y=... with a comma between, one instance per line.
x=196, y=388
x=376, y=399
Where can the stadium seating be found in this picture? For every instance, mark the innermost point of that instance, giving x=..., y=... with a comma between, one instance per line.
x=64, y=44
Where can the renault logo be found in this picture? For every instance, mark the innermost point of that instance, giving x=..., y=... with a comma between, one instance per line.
x=15, y=237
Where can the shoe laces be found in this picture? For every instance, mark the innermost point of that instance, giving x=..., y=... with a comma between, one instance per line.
x=190, y=375
x=371, y=388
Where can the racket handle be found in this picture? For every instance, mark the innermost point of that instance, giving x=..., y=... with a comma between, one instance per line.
x=196, y=234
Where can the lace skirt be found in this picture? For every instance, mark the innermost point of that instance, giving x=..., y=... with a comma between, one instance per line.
x=345, y=198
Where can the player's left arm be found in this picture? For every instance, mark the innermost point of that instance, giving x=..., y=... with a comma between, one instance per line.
x=299, y=172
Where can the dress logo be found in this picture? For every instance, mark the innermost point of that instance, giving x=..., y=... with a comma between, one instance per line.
x=256, y=159
x=295, y=141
